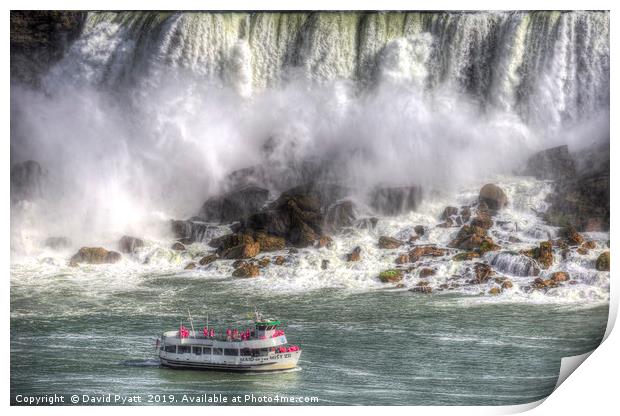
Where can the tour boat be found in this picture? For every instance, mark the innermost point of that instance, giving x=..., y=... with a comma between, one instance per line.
x=261, y=348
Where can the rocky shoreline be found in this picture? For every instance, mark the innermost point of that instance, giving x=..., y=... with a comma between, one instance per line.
x=269, y=233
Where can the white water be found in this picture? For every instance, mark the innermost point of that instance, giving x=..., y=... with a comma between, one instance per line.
x=149, y=112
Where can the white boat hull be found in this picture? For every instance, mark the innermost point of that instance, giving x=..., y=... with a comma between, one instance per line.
x=276, y=362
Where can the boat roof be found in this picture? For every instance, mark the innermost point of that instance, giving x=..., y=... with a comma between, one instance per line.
x=269, y=322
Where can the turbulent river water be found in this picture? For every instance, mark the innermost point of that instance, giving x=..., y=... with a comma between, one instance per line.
x=148, y=114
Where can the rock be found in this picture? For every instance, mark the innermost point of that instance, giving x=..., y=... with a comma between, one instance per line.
x=39, y=39
x=482, y=221
x=514, y=264
x=279, y=260
x=95, y=255
x=470, y=255
x=419, y=230
x=426, y=251
x=246, y=270
x=325, y=241
x=242, y=251
x=128, y=244
x=571, y=236
x=553, y=163
x=482, y=272
x=238, y=263
x=209, y=258
x=191, y=231
x=396, y=200
x=295, y=216
x=229, y=241
x=389, y=243
x=178, y=246
x=507, y=284
x=413, y=239
x=582, y=250
x=324, y=264
x=234, y=205
x=340, y=215
x=544, y=283
x=26, y=181
x=57, y=242
x=465, y=213
x=543, y=254
x=581, y=200
x=602, y=262
x=72, y=263
x=426, y=272
x=269, y=242
x=421, y=289
x=472, y=238
x=560, y=277
x=264, y=262
x=493, y=196
x=355, y=255
x=190, y=266
x=391, y=276
x=589, y=245
x=495, y=291
x=449, y=212
x=402, y=259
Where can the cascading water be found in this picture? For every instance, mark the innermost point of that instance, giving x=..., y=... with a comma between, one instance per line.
x=150, y=113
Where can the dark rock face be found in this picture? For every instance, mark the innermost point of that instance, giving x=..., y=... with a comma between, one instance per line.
x=234, y=205
x=340, y=215
x=602, y=262
x=39, y=39
x=295, y=216
x=26, y=181
x=95, y=255
x=193, y=231
x=57, y=242
x=178, y=246
x=397, y=200
x=129, y=244
x=553, y=163
x=389, y=242
x=582, y=201
x=493, y=196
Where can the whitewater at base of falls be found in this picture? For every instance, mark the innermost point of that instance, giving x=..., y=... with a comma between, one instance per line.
x=302, y=272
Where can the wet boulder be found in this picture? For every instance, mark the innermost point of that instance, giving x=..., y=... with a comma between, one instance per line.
x=560, y=277
x=340, y=215
x=128, y=244
x=468, y=255
x=325, y=241
x=269, y=242
x=389, y=243
x=391, y=276
x=472, y=238
x=482, y=272
x=190, y=266
x=178, y=246
x=242, y=251
x=246, y=270
x=493, y=196
x=355, y=254
x=209, y=258
x=426, y=251
x=419, y=230
x=427, y=272
x=234, y=205
x=543, y=254
x=602, y=262
x=402, y=259
x=554, y=163
x=571, y=236
x=95, y=255
x=395, y=200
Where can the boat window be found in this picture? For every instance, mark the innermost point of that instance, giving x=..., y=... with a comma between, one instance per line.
x=217, y=351
x=197, y=350
x=231, y=351
x=206, y=350
x=184, y=349
x=245, y=352
x=171, y=348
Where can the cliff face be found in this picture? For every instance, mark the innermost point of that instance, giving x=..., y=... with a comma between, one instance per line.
x=39, y=39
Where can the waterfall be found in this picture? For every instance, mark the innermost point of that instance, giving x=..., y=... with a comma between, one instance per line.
x=526, y=62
